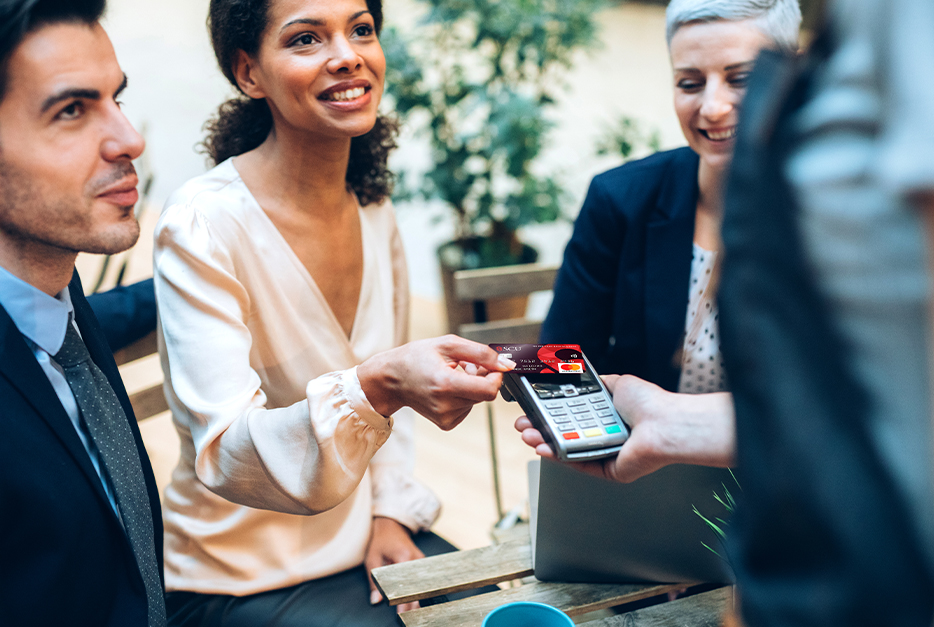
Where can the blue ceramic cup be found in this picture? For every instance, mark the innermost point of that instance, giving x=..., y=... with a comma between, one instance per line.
x=524, y=614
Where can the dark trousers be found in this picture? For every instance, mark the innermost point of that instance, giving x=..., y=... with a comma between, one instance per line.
x=335, y=601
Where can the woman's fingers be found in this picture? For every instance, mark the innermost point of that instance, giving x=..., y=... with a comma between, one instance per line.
x=469, y=368
x=441, y=379
x=532, y=437
x=475, y=388
x=458, y=349
x=405, y=607
x=544, y=450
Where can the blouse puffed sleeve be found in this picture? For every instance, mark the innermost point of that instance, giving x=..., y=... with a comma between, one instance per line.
x=302, y=459
x=396, y=492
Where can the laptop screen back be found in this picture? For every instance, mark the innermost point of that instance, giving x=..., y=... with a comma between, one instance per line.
x=587, y=529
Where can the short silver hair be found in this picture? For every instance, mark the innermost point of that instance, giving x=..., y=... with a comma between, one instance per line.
x=779, y=20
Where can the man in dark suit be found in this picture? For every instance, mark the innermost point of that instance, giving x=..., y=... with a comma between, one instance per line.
x=80, y=528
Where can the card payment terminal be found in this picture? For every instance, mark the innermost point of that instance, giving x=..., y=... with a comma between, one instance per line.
x=564, y=398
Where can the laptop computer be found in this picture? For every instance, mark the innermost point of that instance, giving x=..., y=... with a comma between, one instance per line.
x=588, y=529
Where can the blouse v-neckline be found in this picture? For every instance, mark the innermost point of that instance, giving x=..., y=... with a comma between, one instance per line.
x=306, y=275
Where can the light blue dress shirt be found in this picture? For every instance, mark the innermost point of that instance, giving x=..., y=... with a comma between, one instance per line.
x=42, y=320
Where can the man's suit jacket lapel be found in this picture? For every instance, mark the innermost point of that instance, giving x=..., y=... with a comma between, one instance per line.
x=669, y=248
x=18, y=364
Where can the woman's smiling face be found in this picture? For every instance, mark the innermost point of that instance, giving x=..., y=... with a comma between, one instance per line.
x=711, y=63
x=319, y=66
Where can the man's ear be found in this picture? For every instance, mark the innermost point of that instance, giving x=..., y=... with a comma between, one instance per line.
x=245, y=70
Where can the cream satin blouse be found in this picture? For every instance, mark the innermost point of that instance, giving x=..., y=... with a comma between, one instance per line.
x=284, y=462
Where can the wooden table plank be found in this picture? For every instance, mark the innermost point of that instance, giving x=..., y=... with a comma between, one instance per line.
x=453, y=572
x=572, y=598
x=701, y=610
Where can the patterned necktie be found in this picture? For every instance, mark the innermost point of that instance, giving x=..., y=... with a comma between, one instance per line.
x=108, y=426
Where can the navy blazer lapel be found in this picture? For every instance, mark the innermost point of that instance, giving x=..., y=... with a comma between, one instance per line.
x=668, y=252
x=18, y=364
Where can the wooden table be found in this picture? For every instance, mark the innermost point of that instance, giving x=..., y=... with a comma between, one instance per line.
x=510, y=561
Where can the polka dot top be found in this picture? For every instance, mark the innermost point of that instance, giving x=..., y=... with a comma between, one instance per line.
x=702, y=364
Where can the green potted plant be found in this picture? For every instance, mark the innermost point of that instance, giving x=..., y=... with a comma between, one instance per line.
x=481, y=76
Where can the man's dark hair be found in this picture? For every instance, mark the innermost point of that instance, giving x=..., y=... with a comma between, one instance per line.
x=242, y=124
x=18, y=18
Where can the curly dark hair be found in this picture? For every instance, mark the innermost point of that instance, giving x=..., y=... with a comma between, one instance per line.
x=242, y=124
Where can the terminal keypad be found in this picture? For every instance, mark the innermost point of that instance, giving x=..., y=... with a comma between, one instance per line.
x=581, y=414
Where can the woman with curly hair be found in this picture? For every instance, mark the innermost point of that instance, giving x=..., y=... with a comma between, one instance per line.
x=283, y=303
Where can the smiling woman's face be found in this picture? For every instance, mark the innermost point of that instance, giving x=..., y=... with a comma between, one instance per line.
x=711, y=63
x=320, y=66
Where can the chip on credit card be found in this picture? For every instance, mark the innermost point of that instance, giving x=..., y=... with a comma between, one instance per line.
x=543, y=358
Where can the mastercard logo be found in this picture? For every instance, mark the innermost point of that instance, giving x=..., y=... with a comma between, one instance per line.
x=571, y=368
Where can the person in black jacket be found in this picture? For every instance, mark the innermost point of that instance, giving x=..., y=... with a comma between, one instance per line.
x=637, y=288
x=80, y=531
x=826, y=300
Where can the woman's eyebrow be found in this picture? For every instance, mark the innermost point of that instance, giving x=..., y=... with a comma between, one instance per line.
x=734, y=66
x=739, y=66
x=316, y=22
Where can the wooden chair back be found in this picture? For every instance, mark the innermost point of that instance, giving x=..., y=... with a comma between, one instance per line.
x=478, y=286
x=151, y=400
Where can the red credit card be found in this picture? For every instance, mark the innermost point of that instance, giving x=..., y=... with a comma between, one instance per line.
x=543, y=358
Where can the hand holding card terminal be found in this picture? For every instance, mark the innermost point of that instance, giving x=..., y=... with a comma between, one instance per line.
x=565, y=400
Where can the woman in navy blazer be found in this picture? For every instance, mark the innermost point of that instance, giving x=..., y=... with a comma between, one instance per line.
x=622, y=291
x=637, y=287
